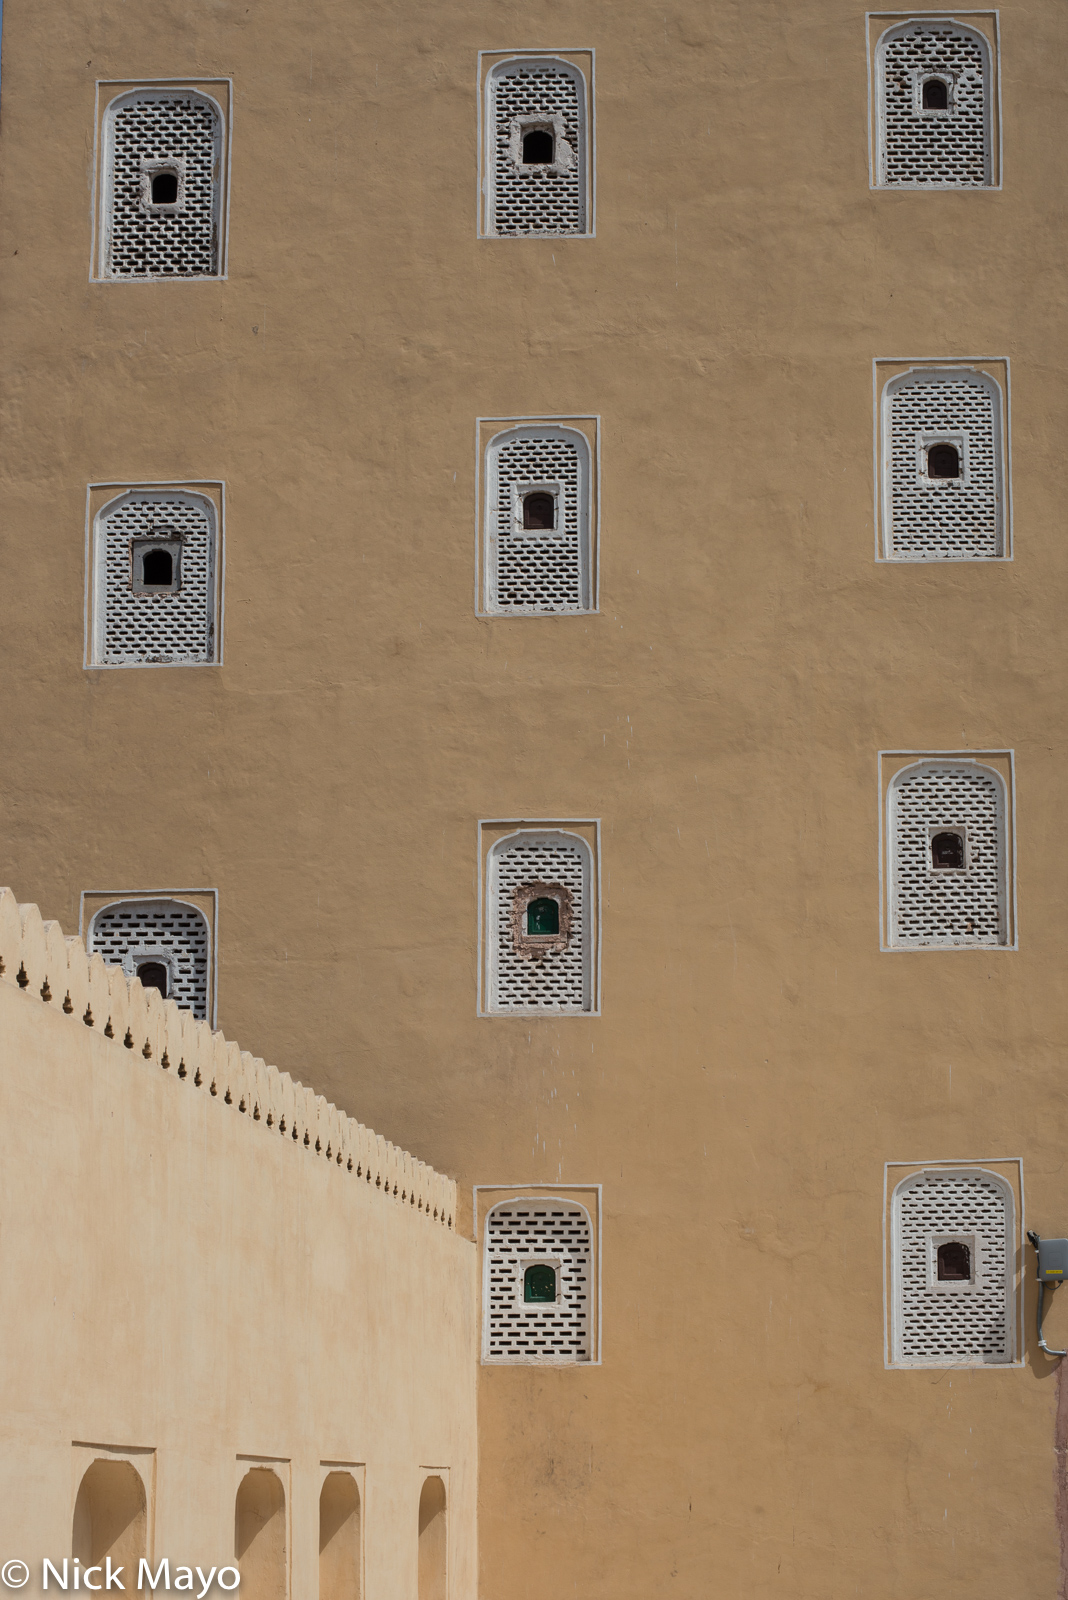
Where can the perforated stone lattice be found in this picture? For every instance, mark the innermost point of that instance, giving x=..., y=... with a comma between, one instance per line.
x=934, y=147
x=939, y=1324
x=155, y=629
x=947, y=518
x=516, y=1233
x=947, y=907
x=159, y=124
x=538, y=570
x=557, y=980
x=525, y=200
x=164, y=926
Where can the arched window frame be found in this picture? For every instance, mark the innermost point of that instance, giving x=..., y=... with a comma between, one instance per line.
x=1012, y=1332
x=495, y=839
x=984, y=29
x=102, y=501
x=204, y=902
x=890, y=377
x=536, y=1311
x=997, y=765
x=111, y=95
x=580, y=65
x=583, y=434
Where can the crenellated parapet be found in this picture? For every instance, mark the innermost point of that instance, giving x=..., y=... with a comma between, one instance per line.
x=56, y=970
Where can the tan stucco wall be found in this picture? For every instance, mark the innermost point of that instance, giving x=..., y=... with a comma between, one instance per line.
x=758, y=1059
x=179, y=1281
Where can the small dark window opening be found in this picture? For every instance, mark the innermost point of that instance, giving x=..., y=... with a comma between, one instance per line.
x=158, y=568
x=538, y=148
x=954, y=1262
x=164, y=188
x=539, y=1283
x=539, y=511
x=543, y=916
x=935, y=95
x=947, y=850
x=153, y=975
x=943, y=461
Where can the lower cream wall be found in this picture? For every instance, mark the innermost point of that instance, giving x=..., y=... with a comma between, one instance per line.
x=176, y=1279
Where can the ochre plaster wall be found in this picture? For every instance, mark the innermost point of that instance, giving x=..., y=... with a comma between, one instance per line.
x=758, y=1059
x=178, y=1281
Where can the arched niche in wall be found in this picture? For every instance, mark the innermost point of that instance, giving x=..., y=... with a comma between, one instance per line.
x=110, y=1515
x=260, y=1535
x=433, y=1541
x=339, y=1538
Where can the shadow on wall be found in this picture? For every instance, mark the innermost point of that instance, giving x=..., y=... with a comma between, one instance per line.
x=339, y=1538
x=433, y=1544
x=260, y=1535
x=110, y=1516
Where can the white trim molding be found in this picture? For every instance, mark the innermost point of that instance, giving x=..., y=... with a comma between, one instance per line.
x=111, y=96
x=531, y=574
x=554, y=200
x=127, y=626
x=962, y=50
x=926, y=905
x=203, y=901
x=564, y=1333
x=516, y=978
x=975, y=1321
x=966, y=402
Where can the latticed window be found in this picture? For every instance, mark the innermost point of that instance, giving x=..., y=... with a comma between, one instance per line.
x=934, y=103
x=540, y=956
x=162, y=185
x=947, y=855
x=535, y=160
x=537, y=1281
x=537, y=510
x=154, y=557
x=952, y=1269
x=164, y=942
x=943, y=468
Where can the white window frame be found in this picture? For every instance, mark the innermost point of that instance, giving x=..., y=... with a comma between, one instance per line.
x=205, y=901
x=542, y=1194
x=1014, y=1234
x=575, y=60
x=492, y=834
x=110, y=93
x=879, y=26
x=101, y=498
x=888, y=375
x=585, y=930
x=490, y=434
x=893, y=765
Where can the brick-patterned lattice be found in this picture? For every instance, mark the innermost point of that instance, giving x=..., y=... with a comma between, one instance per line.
x=158, y=928
x=943, y=1324
x=931, y=906
x=536, y=1230
x=537, y=569
x=155, y=629
x=940, y=519
x=944, y=148
x=554, y=980
x=168, y=125
x=525, y=200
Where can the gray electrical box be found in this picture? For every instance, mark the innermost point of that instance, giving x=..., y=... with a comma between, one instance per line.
x=1052, y=1260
